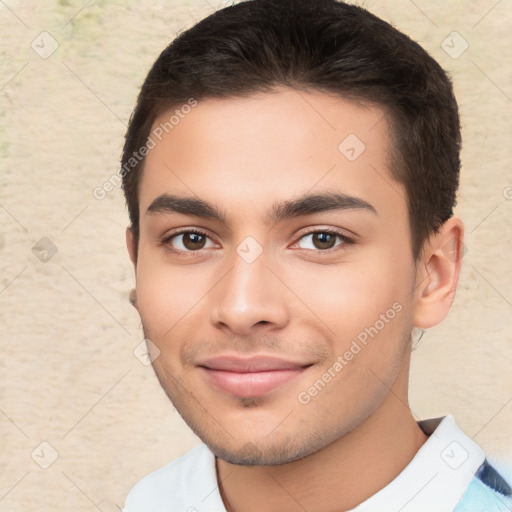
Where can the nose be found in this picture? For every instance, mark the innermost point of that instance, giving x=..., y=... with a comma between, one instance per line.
x=249, y=298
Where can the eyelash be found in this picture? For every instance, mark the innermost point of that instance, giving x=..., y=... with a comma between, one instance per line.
x=345, y=240
x=191, y=254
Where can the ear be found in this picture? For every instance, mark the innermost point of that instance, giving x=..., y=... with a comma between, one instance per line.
x=132, y=251
x=437, y=274
x=130, y=245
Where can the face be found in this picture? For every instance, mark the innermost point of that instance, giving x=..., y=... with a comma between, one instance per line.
x=275, y=273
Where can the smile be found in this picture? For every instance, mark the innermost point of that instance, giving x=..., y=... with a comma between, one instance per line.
x=250, y=377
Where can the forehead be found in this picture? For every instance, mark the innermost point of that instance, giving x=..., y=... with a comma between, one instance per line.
x=247, y=152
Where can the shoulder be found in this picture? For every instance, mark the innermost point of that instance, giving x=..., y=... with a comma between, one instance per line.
x=176, y=486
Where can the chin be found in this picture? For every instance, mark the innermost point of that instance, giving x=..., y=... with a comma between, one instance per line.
x=266, y=452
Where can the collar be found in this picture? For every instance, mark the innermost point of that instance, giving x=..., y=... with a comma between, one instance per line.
x=436, y=477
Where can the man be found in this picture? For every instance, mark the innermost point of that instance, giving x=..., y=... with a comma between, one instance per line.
x=290, y=172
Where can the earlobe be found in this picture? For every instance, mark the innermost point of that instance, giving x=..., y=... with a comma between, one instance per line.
x=132, y=251
x=133, y=298
x=130, y=245
x=438, y=273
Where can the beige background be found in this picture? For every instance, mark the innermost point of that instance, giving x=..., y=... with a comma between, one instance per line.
x=68, y=373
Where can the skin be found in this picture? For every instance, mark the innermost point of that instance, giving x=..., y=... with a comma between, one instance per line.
x=298, y=299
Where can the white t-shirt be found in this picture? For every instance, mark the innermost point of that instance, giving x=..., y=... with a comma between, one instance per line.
x=447, y=474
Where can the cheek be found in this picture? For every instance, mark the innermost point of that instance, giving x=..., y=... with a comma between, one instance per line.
x=352, y=296
x=165, y=295
x=367, y=307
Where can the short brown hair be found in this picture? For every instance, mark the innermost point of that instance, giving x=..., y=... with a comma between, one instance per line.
x=323, y=45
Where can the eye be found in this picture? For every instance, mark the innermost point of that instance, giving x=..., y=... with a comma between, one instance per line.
x=188, y=241
x=322, y=240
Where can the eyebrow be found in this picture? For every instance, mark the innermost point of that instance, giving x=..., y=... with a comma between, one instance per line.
x=307, y=204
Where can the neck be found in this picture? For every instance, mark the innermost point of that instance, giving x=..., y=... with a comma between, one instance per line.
x=338, y=477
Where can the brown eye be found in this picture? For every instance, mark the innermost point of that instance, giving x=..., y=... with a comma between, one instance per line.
x=194, y=241
x=324, y=240
x=188, y=241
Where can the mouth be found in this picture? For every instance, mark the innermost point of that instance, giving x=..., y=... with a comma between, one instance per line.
x=250, y=377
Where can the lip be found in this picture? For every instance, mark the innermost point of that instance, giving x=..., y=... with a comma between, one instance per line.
x=251, y=376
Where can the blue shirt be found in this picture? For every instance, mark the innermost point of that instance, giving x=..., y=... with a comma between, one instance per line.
x=487, y=492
